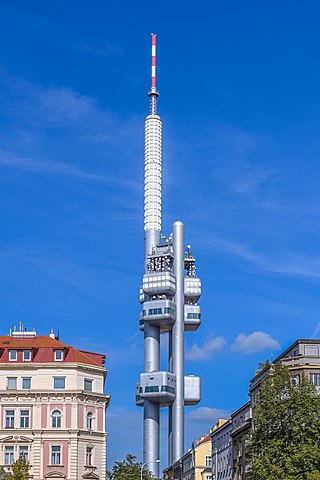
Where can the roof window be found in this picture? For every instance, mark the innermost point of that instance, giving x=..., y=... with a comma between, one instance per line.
x=58, y=355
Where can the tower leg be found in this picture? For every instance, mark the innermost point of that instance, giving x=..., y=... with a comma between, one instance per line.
x=151, y=439
x=151, y=425
x=178, y=344
x=170, y=408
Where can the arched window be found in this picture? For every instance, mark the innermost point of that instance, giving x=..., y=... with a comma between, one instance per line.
x=90, y=421
x=56, y=419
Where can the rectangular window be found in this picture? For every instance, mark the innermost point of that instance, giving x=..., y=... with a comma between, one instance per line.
x=89, y=456
x=26, y=355
x=11, y=383
x=59, y=383
x=9, y=418
x=55, y=455
x=58, y=355
x=208, y=460
x=88, y=384
x=315, y=379
x=9, y=456
x=24, y=419
x=24, y=452
x=12, y=355
x=26, y=383
x=311, y=350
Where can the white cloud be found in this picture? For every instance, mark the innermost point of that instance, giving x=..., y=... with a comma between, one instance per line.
x=205, y=351
x=208, y=414
x=255, y=342
x=16, y=160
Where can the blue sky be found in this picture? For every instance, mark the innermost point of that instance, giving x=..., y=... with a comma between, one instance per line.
x=239, y=84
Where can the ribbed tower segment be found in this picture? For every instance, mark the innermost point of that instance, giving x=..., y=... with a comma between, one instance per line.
x=152, y=173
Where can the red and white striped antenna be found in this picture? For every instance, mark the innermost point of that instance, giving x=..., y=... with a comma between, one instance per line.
x=153, y=62
x=153, y=94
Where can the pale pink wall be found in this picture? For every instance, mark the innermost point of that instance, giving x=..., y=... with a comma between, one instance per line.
x=44, y=410
x=80, y=416
x=100, y=419
x=68, y=415
x=47, y=457
x=56, y=406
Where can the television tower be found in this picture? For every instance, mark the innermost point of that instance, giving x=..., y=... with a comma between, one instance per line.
x=169, y=295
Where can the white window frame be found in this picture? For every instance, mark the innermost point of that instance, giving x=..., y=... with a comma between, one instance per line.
x=26, y=455
x=12, y=378
x=60, y=388
x=208, y=460
x=10, y=453
x=25, y=419
x=24, y=356
x=53, y=455
x=10, y=355
x=26, y=378
x=9, y=423
x=89, y=417
x=84, y=384
x=89, y=455
x=57, y=418
x=55, y=355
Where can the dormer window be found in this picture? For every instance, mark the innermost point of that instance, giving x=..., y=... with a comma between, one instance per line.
x=12, y=355
x=58, y=355
x=26, y=355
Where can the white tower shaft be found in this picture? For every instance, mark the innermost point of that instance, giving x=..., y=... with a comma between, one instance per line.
x=152, y=173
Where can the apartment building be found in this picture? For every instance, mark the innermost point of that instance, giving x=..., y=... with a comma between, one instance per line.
x=222, y=451
x=241, y=424
x=193, y=465
x=52, y=407
x=303, y=360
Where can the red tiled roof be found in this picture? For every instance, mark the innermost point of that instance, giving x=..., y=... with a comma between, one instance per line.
x=44, y=346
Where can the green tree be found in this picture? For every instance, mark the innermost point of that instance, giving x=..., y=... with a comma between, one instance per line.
x=128, y=469
x=20, y=469
x=285, y=440
x=3, y=474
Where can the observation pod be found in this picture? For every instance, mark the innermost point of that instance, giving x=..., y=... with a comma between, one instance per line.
x=160, y=313
x=192, y=289
x=192, y=317
x=158, y=387
x=159, y=283
x=192, y=390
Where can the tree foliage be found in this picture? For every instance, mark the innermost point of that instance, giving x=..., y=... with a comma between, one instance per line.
x=128, y=469
x=20, y=469
x=285, y=440
x=4, y=475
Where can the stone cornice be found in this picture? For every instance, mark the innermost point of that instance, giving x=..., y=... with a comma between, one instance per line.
x=51, y=365
x=52, y=395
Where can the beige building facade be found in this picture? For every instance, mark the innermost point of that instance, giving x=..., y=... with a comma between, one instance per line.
x=52, y=407
x=195, y=464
